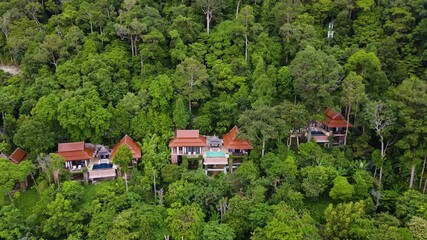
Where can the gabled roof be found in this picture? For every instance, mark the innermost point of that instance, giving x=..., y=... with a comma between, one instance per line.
x=131, y=144
x=188, y=138
x=335, y=119
x=18, y=155
x=232, y=142
x=74, y=151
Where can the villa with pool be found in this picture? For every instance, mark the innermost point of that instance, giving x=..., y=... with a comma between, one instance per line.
x=216, y=154
x=94, y=161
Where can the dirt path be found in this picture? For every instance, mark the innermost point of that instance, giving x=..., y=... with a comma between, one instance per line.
x=10, y=69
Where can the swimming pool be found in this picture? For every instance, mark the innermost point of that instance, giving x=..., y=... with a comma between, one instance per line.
x=102, y=166
x=215, y=154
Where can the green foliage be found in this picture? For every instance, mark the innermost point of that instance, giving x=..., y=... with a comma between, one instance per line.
x=11, y=173
x=288, y=224
x=12, y=225
x=123, y=157
x=343, y=221
x=342, y=190
x=316, y=180
x=185, y=221
x=95, y=70
x=418, y=227
x=315, y=76
x=411, y=203
x=214, y=230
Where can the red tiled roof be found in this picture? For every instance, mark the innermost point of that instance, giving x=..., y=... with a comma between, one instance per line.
x=232, y=142
x=188, y=138
x=75, y=151
x=18, y=155
x=335, y=119
x=131, y=144
x=187, y=133
x=74, y=146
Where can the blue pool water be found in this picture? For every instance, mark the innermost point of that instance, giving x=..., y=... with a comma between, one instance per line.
x=102, y=166
x=215, y=154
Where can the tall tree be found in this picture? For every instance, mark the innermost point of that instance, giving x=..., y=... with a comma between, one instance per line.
x=260, y=125
x=411, y=101
x=380, y=118
x=353, y=92
x=316, y=75
x=191, y=81
x=57, y=164
x=185, y=221
x=209, y=7
x=123, y=158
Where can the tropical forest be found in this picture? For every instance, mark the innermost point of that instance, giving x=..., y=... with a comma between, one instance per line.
x=213, y=119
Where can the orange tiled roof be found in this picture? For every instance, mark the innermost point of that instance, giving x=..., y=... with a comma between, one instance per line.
x=75, y=151
x=188, y=138
x=18, y=155
x=335, y=119
x=232, y=142
x=131, y=144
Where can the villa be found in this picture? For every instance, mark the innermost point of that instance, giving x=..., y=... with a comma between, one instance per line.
x=133, y=147
x=332, y=130
x=214, y=153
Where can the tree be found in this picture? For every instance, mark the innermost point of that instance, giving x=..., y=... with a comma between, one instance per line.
x=50, y=49
x=12, y=225
x=411, y=203
x=35, y=135
x=315, y=76
x=181, y=115
x=411, y=102
x=11, y=173
x=287, y=223
x=263, y=88
x=218, y=231
x=316, y=180
x=209, y=7
x=56, y=166
x=191, y=81
x=246, y=18
x=418, y=227
x=84, y=117
x=367, y=65
x=380, y=118
x=62, y=220
x=260, y=125
x=342, y=190
x=353, y=92
x=123, y=158
x=343, y=219
x=185, y=221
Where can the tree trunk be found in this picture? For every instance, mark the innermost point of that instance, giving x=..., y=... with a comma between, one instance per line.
x=126, y=182
x=246, y=47
x=237, y=8
x=348, y=119
x=422, y=172
x=91, y=27
x=142, y=64
x=32, y=176
x=208, y=19
x=425, y=185
x=154, y=186
x=263, y=148
x=411, y=180
x=380, y=187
